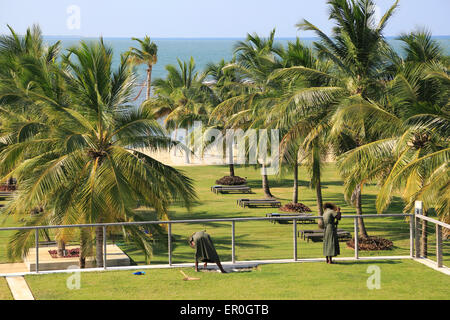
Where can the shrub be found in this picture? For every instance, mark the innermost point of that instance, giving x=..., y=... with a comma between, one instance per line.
x=371, y=244
x=231, y=181
x=295, y=207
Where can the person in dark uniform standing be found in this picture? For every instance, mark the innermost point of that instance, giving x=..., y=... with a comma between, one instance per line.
x=331, y=216
x=204, y=250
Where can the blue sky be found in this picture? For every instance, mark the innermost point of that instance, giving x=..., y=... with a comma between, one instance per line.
x=201, y=18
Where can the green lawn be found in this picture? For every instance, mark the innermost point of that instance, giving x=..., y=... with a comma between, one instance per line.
x=258, y=240
x=264, y=240
x=404, y=279
x=5, y=293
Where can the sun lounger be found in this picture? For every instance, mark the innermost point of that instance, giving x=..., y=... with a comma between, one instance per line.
x=302, y=233
x=292, y=215
x=317, y=235
x=255, y=203
x=231, y=189
x=6, y=194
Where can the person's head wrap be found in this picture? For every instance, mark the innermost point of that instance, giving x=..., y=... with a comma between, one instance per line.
x=329, y=205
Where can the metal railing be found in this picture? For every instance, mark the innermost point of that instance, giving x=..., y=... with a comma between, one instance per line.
x=439, y=227
x=412, y=234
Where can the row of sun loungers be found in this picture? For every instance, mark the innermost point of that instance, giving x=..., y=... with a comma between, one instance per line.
x=6, y=196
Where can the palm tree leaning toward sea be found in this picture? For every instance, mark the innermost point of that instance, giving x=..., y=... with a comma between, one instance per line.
x=357, y=51
x=256, y=58
x=180, y=98
x=413, y=156
x=147, y=54
x=74, y=147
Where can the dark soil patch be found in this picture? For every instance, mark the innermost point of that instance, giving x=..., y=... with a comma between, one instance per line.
x=72, y=253
x=371, y=244
x=295, y=207
x=231, y=181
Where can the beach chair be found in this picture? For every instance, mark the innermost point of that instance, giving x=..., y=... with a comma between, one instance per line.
x=304, y=217
x=259, y=203
x=231, y=189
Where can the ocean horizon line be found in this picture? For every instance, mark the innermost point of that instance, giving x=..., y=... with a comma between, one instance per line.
x=203, y=38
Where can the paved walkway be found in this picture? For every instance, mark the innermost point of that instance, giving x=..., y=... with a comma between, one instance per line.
x=13, y=268
x=19, y=288
x=430, y=263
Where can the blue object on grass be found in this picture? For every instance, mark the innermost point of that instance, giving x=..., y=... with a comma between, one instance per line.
x=139, y=273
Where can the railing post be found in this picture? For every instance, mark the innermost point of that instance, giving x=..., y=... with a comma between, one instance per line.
x=411, y=235
x=294, y=231
x=104, y=248
x=418, y=210
x=36, y=239
x=169, y=242
x=233, y=242
x=355, y=222
x=439, y=246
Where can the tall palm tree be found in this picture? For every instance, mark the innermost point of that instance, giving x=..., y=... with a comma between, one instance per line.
x=357, y=49
x=147, y=54
x=413, y=155
x=83, y=163
x=256, y=58
x=180, y=98
x=304, y=111
x=225, y=84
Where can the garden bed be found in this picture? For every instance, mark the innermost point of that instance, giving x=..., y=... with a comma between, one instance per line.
x=371, y=244
x=71, y=253
x=295, y=207
x=231, y=181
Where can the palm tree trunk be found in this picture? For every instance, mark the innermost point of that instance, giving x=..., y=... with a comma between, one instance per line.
x=319, y=198
x=265, y=183
x=231, y=159
x=295, y=191
x=149, y=81
x=231, y=170
x=83, y=247
x=358, y=204
x=99, y=246
x=82, y=257
x=424, y=237
x=61, y=248
x=315, y=180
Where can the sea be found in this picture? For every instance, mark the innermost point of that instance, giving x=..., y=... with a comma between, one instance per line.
x=203, y=50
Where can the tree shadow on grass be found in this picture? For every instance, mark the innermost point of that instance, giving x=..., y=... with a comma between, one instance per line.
x=368, y=262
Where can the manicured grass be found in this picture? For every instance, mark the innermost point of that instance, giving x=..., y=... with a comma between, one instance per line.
x=6, y=235
x=403, y=279
x=264, y=240
x=5, y=293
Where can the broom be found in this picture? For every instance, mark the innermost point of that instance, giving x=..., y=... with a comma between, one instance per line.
x=186, y=277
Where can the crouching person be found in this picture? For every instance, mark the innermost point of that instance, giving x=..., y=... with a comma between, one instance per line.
x=204, y=250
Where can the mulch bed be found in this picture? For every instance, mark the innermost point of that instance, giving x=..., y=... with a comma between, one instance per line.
x=72, y=253
x=371, y=244
x=231, y=181
x=8, y=187
x=295, y=207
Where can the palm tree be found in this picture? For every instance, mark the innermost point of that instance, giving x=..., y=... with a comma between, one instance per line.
x=83, y=162
x=256, y=58
x=147, y=53
x=181, y=98
x=357, y=50
x=225, y=84
x=304, y=112
x=412, y=157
